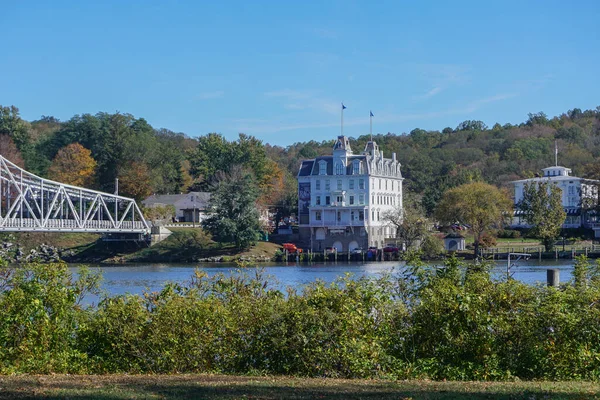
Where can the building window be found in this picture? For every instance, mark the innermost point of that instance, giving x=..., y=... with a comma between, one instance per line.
x=361, y=199
x=318, y=215
x=361, y=215
x=377, y=215
x=372, y=199
x=356, y=167
x=351, y=215
x=339, y=184
x=361, y=183
x=322, y=168
x=372, y=215
x=386, y=183
x=318, y=184
x=351, y=200
x=339, y=216
x=327, y=184
x=318, y=200
x=351, y=184
x=572, y=201
x=339, y=169
x=379, y=184
x=571, y=190
x=327, y=200
x=339, y=200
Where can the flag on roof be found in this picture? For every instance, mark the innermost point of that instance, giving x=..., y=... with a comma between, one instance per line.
x=343, y=106
x=371, y=112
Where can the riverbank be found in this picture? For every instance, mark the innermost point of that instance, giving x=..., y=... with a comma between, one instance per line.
x=184, y=245
x=217, y=387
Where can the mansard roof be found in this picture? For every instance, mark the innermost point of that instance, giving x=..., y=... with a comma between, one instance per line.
x=342, y=143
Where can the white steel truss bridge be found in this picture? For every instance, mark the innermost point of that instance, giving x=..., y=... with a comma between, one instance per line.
x=31, y=203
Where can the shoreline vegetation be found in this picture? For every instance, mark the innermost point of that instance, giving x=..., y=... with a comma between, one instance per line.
x=190, y=245
x=450, y=321
x=221, y=387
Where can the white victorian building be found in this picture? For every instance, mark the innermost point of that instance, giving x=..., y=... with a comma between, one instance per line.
x=342, y=198
x=578, y=195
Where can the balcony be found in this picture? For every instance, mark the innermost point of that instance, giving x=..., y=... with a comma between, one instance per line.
x=343, y=204
x=341, y=223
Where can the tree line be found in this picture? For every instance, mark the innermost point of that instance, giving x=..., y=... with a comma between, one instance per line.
x=94, y=150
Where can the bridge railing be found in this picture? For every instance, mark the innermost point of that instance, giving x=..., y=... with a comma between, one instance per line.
x=69, y=224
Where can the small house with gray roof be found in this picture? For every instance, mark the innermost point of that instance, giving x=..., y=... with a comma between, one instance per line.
x=190, y=207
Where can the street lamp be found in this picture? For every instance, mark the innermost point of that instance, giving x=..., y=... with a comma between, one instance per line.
x=194, y=214
x=518, y=257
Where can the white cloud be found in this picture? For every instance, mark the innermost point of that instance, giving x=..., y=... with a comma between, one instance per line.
x=280, y=124
x=305, y=99
x=211, y=95
x=429, y=94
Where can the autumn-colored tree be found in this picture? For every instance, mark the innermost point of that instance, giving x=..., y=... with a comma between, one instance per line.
x=134, y=181
x=9, y=150
x=186, y=179
x=479, y=205
x=272, y=186
x=73, y=165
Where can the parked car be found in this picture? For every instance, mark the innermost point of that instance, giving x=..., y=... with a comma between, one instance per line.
x=330, y=250
x=291, y=248
x=357, y=251
x=390, y=248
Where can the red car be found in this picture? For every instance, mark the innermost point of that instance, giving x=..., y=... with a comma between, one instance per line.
x=291, y=248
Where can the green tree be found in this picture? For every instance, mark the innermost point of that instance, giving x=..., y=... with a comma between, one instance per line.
x=409, y=221
x=542, y=209
x=233, y=216
x=12, y=125
x=479, y=205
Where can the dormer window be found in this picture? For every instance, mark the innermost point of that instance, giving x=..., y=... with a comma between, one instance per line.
x=339, y=168
x=322, y=167
x=356, y=167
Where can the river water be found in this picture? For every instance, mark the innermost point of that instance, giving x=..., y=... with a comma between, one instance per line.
x=137, y=278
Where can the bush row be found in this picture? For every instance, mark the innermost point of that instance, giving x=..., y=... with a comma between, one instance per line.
x=445, y=322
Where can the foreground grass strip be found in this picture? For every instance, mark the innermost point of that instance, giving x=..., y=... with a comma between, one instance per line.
x=245, y=387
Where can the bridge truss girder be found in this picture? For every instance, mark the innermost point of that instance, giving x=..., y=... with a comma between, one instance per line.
x=31, y=203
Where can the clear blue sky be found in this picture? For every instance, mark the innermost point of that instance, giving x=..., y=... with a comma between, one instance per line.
x=278, y=70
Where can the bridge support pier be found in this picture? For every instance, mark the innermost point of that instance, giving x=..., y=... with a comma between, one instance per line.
x=158, y=234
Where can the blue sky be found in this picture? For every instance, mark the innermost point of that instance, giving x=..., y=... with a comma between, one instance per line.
x=278, y=70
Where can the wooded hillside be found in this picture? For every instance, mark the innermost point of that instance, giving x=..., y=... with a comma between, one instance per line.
x=148, y=160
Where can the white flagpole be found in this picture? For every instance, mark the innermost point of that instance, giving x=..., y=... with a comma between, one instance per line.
x=555, y=153
x=371, y=124
x=342, y=132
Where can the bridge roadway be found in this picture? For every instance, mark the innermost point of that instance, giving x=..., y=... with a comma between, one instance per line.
x=68, y=225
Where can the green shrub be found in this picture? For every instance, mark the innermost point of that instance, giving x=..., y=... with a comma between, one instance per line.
x=508, y=234
x=40, y=316
x=438, y=322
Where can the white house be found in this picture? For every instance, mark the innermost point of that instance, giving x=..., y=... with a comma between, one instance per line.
x=190, y=207
x=342, y=198
x=578, y=194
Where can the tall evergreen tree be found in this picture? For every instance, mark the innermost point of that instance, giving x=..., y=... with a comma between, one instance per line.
x=233, y=214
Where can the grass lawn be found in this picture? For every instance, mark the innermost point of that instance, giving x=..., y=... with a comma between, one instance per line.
x=246, y=387
x=188, y=244
x=66, y=240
